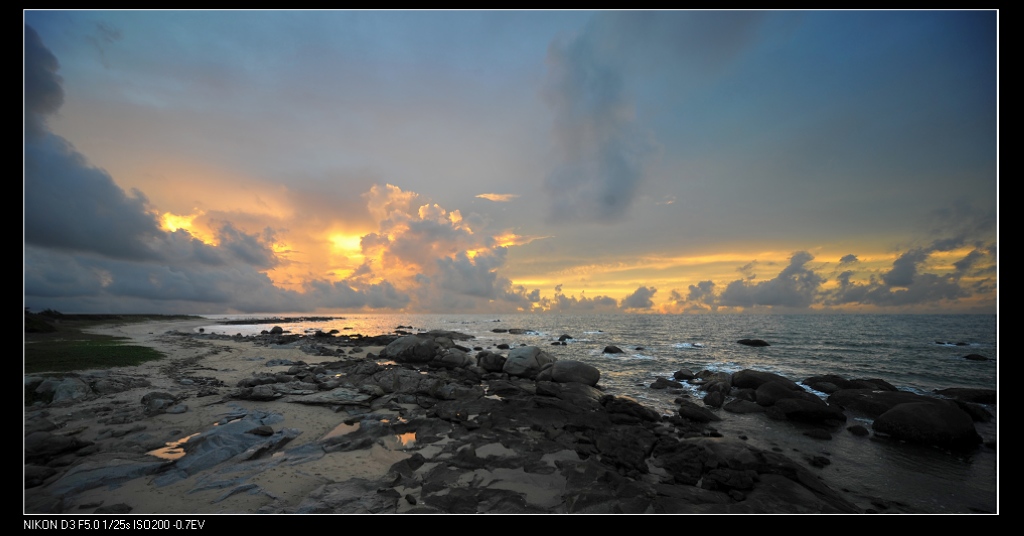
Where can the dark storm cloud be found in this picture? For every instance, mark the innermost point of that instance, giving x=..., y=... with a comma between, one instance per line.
x=73, y=206
x=907, y=284
x=796, y=286
x=472, y=277
x=68, y=203
x=700, y=297
x=848, y=259
x=43, y=92
x=904, y=268
x=568, y=304
x=965, y=264
x=640, y=298
x=601, y=150
x=250, y=249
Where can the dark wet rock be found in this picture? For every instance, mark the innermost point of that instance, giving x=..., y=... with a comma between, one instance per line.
x=742, y=406
x=695, y=412
x=454, y=358
x=707, y=376
x=502, y=346
x=665, y=383
x=260, y=392
x=683, y=375
x=276, y=330
x=626, y=448
x=858, y=430
x=490, y=361
x=111, y=385
x=753, y=342
x=722, y=387
x=975, y=357
x=627, y=406
x=35, y=475
x=977, y=412
x=40, y=447
x=937, y=423
x=610, y=349
x=526, y=361
x=352, y=496
x=65, y=390
x=157, y=402
x=830, y=383
x=814, y=411
x=410, y=349
x=39, y=425
x=566, y=371
x=978, y=396
x=768, y=394
x=873, y=403
x=714, y=399
x=753, y=379
x=94, y=474
x=564, y=337
x=578, y=394
x=262, y=430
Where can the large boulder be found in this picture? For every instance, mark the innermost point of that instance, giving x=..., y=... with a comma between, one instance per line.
x=755, y=378
x=410, y=349
x=768, y=394
x=575, y=371
x=526, y=361
x=695, y=412
x=872, y=402
x=937, y=423
x=490, y=361
x=966, y=394
x=830, y=383
x=813, y=411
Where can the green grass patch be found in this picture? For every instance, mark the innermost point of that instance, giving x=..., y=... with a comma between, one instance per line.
x=85, y=351
x=64, y=347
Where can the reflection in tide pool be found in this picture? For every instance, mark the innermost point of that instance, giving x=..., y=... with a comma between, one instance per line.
x=400, y=441
x=174, y=449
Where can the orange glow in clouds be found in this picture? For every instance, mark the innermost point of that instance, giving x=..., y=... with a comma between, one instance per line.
x=173, y=222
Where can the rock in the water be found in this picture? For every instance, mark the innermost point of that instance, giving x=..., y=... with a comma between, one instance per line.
x=753, y=342
x=937, y=423
x=755, y=378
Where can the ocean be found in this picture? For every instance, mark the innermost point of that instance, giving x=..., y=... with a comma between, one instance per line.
x=918, y=353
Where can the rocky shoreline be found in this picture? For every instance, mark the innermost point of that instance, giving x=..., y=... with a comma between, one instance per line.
x=429, y=423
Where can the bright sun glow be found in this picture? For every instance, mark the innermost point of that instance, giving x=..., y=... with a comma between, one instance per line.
x=174, y=222
x=347, y=243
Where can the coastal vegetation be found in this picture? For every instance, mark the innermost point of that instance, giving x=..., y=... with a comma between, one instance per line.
x=57, y=342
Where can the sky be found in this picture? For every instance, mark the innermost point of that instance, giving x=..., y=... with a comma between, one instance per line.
x=211, y=162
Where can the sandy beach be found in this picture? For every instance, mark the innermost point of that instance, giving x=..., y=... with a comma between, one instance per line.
x=227, y=361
